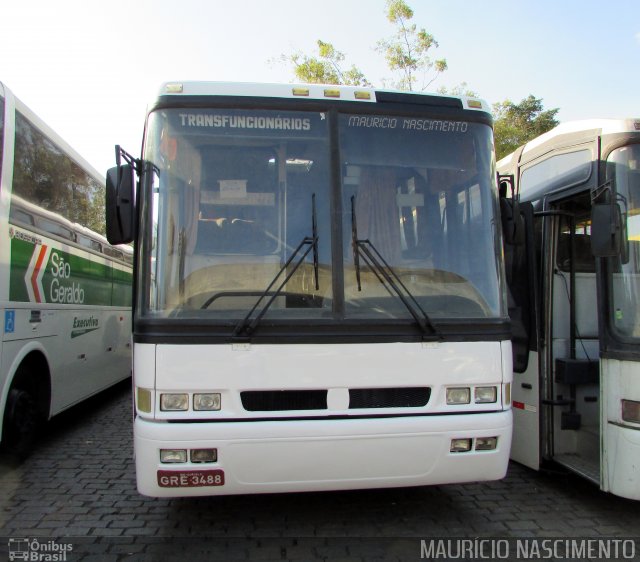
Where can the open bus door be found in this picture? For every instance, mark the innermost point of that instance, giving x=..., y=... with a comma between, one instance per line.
x=521, y=273
x=558, y=394
x=552, y=294
x=570, y=366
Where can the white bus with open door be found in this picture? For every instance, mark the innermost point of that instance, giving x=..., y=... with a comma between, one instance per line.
x=574, y=293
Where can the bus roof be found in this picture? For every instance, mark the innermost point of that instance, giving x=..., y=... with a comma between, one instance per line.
x=597, y=127
x=308, y=91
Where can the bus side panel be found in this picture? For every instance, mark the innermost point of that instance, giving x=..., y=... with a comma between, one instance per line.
x=97, y=357
x=78, y=367
x=525, y=447
x=620, y=471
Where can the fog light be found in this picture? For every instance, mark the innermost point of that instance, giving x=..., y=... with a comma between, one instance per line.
x=460, y=445
x=173, y=455
x=204, y=455
x=631, y=411
x=486, y=443
x=174, y=402
x=458, y=395
x=143, y=401
x=485, y=394
x=206, y=401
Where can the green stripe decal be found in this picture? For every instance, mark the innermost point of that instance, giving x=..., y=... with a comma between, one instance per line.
x=42, y=273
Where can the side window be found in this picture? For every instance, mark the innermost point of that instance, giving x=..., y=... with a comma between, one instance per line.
x=571, y=168
x=89, y=243
x=113, y=253
x=45, y=176
x=54, y=227
x=21, y=216
x=580, y=210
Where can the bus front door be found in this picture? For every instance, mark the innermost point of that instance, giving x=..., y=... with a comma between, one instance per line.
x=570, y=399
x=523, y=290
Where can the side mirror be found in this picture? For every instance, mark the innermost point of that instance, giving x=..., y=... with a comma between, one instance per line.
x=512, y=220
x=120, y=204
x=608, y=231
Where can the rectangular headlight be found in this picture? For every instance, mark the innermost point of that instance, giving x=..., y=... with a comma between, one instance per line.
x=173, y=455
x=460, y=395
x=206, y=401
x=460, y=445
x=486, y=443
x=204, y=455
x=174, y=402
x=631, y=411
x=485, y=394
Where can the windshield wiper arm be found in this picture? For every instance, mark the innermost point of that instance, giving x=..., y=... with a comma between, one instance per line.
x=387, y=276
x=246, y=326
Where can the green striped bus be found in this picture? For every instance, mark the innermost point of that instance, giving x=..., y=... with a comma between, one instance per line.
x=65, y=292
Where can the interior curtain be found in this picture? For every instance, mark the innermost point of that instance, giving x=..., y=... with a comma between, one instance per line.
x=377, y=212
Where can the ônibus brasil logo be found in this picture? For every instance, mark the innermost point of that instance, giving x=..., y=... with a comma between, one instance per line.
x=61, y=289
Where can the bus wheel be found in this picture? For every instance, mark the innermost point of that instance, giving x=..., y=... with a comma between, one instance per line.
x=22, y=421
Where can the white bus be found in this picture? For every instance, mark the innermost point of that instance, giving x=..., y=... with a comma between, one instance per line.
x=320, y=299
x=576, y=317
x=65, y=292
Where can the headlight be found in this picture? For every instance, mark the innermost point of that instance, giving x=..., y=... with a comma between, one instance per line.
x=460, y=445
x=204, y=455
x=458, y=395
x=486, y=443
x=174, y=402
x=485, y=394
x=173, y=455
x=206, y=401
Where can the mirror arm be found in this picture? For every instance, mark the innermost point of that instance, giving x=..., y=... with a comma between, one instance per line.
x=135, y=163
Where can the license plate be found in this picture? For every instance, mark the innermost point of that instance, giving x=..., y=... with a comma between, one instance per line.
x=190, y=478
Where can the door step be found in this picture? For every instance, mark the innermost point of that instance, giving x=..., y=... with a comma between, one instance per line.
x=587, y=468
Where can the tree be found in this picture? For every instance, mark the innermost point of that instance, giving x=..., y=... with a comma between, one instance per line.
x=326, y=68
x=461, y=89
x=516, y=124
x=406, y=54
x=407, y=51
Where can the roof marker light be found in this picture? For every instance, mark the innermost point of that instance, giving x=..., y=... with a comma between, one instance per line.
x=362, y=95
x=332, y=93
x=474, y=104
x=300, y=91
x=174, y=88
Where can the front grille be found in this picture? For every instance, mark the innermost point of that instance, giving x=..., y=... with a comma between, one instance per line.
x=283, y=400
x=414, y=397
x=359, y=398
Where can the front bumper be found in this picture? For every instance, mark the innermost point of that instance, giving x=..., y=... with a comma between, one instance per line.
x=327, y=454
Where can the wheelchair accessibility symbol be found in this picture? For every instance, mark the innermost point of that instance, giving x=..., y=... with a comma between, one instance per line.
x=9, y=321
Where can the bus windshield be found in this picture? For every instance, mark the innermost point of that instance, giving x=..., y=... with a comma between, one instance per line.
x=234, y=194
x=623, y=167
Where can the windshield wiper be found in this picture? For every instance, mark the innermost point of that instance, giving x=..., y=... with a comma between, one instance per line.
x=387, y=276
x=246, y=326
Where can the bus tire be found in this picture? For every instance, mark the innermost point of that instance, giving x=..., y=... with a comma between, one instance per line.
x=22, y=422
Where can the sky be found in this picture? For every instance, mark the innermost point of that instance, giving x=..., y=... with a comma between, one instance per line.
x=89, y=68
